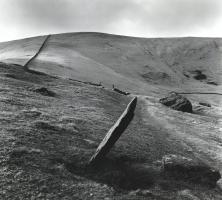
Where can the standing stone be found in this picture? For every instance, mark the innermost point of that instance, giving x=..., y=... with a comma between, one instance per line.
x=114, y=133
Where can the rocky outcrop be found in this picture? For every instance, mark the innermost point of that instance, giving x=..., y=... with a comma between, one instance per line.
x=198, y=75
x=212, y=83
x=187, y=194
x=205, y=104
x=45, y=92
x=120, y=91
x=177, y=102
x=189, y=170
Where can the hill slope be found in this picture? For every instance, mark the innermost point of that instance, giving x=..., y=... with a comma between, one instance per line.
x=47, y=138
x=130, y=63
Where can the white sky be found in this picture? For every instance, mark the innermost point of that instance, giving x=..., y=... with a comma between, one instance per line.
x=143, y=18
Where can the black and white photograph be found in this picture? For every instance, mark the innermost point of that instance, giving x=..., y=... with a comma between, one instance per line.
x=110, y=100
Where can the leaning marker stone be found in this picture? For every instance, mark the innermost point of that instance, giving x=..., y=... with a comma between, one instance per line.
x=114, y=133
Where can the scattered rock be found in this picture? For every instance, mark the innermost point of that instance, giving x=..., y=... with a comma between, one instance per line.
x=212, y=83
x=134, y=192
x=177, y=102
x=146, y=193
x=39, y=195
x=140, y=192
x=10, y=76
x=44, y=91
x=19, y=173
x=33, y=113
x=17, y=152
x=186, y=75
x=43, y=188
x=90, y=142
x=45, y=125
x=181, y=167
x=120, y=91
x=205, y=104
x=198, y=75
x=94, y=84
x=186, y=194
x=35, y=150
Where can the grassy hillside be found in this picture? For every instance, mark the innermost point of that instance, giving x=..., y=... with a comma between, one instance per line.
x=47, y=138
x=130, y=63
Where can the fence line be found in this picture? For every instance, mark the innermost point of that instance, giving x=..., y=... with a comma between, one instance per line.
x=215, y=93
x=37, y=53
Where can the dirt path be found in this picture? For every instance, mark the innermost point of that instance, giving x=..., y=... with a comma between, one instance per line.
x=147, y=139
x=199, y=135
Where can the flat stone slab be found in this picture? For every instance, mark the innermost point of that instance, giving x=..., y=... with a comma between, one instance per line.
x=114, y=133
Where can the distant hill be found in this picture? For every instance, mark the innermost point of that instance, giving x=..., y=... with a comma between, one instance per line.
x=129, y=63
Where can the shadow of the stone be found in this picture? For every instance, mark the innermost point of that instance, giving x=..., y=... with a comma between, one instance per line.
x=118, y=173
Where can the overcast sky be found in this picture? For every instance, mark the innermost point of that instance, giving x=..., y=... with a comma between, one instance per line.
x=143, y=18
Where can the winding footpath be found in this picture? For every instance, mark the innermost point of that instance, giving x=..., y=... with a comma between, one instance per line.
x=198, y=135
